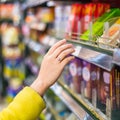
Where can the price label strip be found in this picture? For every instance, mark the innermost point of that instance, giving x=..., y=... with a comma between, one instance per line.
x=77, y=51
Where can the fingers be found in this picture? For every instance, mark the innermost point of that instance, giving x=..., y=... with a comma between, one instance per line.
x=55, y=46
x=67, y=60
x=62, y=50
x=65, y=53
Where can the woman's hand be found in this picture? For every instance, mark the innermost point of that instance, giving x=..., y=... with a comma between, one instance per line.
x=52, y=66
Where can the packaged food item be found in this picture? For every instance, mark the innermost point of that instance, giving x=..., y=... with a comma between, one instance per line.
x=62, y=14
x=117, y=86
x=112, y=36
x=88, y=14
x=95, y=77
x=34, y=34
x=105, y=86
x=73, y=75
x=45, y=14
x=67, y=76
x=75, y=68
x=106, y=7
x=15, y=85
x=10, y=36
x=14, y=68
x=99, y=10
x=4, y=8
x=30, y=17
x=75, y=20
x=12, y=52
x=97, y=28
x=91, y=78
x=86, y=75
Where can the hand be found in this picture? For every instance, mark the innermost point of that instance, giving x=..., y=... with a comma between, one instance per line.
x=52, y=66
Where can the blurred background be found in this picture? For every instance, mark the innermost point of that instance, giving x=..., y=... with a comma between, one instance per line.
x=89, y=87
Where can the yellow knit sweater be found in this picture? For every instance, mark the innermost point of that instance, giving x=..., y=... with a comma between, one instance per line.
x=27, y=105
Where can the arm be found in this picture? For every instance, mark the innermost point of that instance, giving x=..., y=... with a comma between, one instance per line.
x=28, y=104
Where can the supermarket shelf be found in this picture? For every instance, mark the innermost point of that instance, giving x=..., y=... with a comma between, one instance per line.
x=95, y=113
x=33, y=3
x=52, y=110
x=37, y=47
x=92, y=46
x=76, y=103
x=10, y=1
x=69, y=101
x=93, y=54
x=8, y=20
x=38, y=26
x=116, y=63
x=101, y=57
x=33, y=67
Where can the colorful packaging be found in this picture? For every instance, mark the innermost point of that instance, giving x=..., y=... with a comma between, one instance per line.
x=14, y=68
x=67, y=76
x=10, y=36
x=106, y=7
x=88, y=14
x=87, y=81
x=99, y=10
x=73, y=75
x=117, y=86
x=95, y=77
x=15, y=85
x=112, y=35
x=75, y=68
x=75, y=20
x=62, y=14
x=45, y=14
x=105, y=86
x=97, y=28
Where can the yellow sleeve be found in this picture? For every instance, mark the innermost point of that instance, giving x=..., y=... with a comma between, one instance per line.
x=27, y=105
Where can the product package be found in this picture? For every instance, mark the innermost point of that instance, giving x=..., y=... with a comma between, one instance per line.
x=97, y=28
x=91, y=78
x=14, y=68
x=87, y=81
x=106, y=89
x=75, y=68
x=88, y=15
x=111, y=37
x=73, y=75
x=75, y=20
x=15, y=86
x=117, y=86
x=62, y=14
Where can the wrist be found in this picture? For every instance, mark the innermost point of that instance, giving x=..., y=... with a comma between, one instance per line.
x=39, y=87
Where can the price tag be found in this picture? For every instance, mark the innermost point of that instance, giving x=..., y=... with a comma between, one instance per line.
x=77, y=51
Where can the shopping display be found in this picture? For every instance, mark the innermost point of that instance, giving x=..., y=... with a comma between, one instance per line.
x=89, y=86
x=97, y=28
x=112, y=33
x=12, y=49
x=14, y=13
